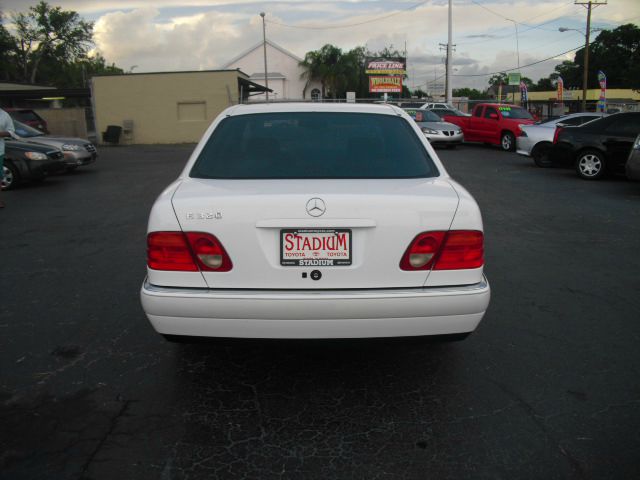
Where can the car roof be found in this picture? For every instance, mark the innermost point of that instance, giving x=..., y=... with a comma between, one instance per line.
x=247, y=109
x=500, y=105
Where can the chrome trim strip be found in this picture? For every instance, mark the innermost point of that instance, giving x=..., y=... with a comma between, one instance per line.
x=155, y=290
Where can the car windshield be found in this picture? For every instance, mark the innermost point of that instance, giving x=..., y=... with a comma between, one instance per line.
x=515, y=112
x=25, y=131
x=312, y=145
x=426, y=116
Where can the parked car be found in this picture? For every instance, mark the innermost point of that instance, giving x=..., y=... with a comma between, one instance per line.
x=597, y=147
x=28, y=161
x=444, y=106
x=76, y=151
x=632, y=166
x=435, y=130
x=442, y=112
x=28, y=117
x=536, y=140
x=493, y=123
x=314, y=221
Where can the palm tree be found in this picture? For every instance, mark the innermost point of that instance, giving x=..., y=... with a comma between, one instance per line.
x=313, y=70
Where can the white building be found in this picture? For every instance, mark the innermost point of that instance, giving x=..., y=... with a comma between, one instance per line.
x=283, y=73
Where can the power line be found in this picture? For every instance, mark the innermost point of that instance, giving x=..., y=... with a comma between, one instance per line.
x=528, y=29
x=521, y=66
x=332, y=27
x=520, y=23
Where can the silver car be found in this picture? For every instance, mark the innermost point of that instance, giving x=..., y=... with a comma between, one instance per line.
x=435, y=130
x=76, y=151
x=536, y=140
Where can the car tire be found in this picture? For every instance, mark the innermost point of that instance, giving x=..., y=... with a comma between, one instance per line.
x=540, y=155
x=10, y=177
x=590, y=165
x=508, y=142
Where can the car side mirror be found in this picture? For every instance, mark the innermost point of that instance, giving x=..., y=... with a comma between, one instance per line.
x=493, y=116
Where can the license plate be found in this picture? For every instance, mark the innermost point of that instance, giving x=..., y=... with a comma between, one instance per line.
x=315, y=247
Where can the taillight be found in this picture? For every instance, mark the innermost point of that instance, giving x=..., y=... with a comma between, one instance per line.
x=169, y=251
x=186, y=252
x=556, y=134
x=422, y=251
x=462, y=249
x=453, y=250
x=210, y=254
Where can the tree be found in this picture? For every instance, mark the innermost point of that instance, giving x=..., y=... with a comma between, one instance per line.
x=498, y=78
x=470, y=93
x=419, y=93
x=339, y=72
x=49, y=32
x=7, y=53
x=615, y=52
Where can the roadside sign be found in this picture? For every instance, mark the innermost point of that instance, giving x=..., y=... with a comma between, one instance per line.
x=514, y=78
x=386, y=66
x=383, y=84
x=351, y=97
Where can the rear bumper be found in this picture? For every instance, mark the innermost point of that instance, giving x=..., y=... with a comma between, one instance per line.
x=315, y=313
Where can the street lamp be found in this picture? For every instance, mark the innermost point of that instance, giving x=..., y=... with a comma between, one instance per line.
x=585, y=72
x=264, y=44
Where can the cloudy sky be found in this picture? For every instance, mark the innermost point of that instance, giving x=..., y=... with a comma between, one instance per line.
x=162, y=35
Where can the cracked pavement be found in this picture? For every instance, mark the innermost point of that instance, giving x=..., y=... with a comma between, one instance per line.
x=546, y=388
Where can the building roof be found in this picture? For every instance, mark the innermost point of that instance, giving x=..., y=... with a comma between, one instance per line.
x=259, y=45
x=270, y=75
x=173, y=72
x=12, y=86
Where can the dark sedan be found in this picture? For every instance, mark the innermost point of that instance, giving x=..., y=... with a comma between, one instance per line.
x=598, y=147
x=28, y=161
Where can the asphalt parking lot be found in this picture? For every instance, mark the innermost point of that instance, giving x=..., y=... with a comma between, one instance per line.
x=548, y=387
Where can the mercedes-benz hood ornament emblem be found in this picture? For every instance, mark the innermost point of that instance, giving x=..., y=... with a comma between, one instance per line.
x=316, y=207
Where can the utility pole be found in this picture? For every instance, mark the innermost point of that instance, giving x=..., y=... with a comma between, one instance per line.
x=449, y=87
x=264, y=44
x=585, y=74
x=447, y=64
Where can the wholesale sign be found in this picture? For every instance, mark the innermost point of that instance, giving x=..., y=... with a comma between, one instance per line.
x=385, y=66
x=385, y=84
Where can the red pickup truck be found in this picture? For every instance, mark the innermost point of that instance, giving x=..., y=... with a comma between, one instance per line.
x=495, y=123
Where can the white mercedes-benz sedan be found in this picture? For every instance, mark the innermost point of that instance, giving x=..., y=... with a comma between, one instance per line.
x=314, y=221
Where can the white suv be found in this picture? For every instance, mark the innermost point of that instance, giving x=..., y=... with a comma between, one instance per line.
x=314, y=221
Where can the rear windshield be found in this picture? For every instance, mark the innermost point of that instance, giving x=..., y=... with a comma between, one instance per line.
x=313, y=145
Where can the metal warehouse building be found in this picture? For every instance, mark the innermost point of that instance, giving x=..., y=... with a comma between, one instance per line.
x=171, y=107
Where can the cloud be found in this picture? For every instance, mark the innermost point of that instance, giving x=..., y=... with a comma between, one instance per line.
x=204, y=34
x=194, y=42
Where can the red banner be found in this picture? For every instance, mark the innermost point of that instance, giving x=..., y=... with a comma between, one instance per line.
x=384, y=84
